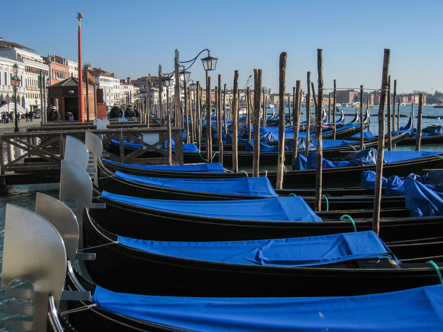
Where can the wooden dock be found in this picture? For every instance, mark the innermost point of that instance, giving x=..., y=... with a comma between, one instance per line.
x=35, y=156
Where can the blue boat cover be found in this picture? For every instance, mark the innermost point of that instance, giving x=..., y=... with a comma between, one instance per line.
x=429, y=131
x=423, y=199
x=361, y=158
x=395, y=185
x=291, y=252
x=395, y=156
x=200, y=168
x=186, y=147
x=417, y=309
x=250, y=186
x=271, y=209
x=327, y=144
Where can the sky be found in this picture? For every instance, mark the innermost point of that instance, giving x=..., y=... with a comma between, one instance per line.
x=132, y=38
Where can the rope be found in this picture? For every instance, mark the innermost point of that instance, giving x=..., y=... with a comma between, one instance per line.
x=327, y=202
x=86, y=307
x=350, y=218
x=243, y=171
x=292, y=194
x=101, y=245
x=438, y=271
x=199, y=152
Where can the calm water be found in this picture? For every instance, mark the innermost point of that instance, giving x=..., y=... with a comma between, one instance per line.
x=24, y=195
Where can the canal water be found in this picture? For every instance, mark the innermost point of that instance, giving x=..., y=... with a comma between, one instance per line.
x=24, y=195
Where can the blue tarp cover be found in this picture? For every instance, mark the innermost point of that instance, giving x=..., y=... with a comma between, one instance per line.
x=363, y=157
x=271, y=209
x=304, y=251
x=418, y=309
x=395, y=185
x=200, y=168
x=186, y=147
x=251, y=186
x=423, y=199
x=394, y=156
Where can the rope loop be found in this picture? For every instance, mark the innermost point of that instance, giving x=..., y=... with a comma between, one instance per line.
x=350, y=218
x=437, y=270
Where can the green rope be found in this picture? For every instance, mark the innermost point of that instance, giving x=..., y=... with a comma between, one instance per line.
x=213, y=156
x=199, y=152
x=441, y=158
x=438, y=271
x=292, y=194
x=352, y=220
x=327, y=202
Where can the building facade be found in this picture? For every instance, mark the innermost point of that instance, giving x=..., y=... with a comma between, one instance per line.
x=29, y=91
x=109, y=84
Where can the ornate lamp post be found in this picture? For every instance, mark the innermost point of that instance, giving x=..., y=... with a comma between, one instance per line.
x=15, y=81
x=209, y=63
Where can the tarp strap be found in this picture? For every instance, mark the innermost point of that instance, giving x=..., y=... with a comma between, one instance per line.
x=438, y=270
x=350, y=218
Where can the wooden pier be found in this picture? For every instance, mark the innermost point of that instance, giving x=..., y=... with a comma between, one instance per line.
x=35, y=156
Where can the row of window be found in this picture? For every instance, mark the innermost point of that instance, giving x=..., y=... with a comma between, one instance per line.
x=8, y=82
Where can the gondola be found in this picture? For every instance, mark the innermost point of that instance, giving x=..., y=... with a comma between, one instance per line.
x=252, y=268
x=230, y=188
x=132, y=220
x=269, y=154
x=412, y=309
x=338, y=177
x=231, y=220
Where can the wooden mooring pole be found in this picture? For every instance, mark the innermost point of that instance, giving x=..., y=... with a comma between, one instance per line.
x=362, y=136
x=419, y=118
x=318, y=132
x=208, y=120
x=256, y=121
x=381, y=143
x=308, y=112
x=296, y=121
x=389, y=115
x=234, y=113
x=281, y=121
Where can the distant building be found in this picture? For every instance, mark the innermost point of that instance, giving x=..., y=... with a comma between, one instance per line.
x=33, y=64
x=109, y=84
x=58, y=68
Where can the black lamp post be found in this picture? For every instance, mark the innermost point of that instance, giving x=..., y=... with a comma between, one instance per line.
x=167, y=80
x=209, y=63
x=15, y=81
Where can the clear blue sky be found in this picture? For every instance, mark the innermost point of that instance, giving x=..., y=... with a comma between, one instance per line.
x=132, y=37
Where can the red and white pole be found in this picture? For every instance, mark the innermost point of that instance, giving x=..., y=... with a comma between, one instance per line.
x=80, y=70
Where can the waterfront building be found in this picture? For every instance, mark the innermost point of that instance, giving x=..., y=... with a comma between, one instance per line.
x=58, y=68
x=34, y=66
x=7, y=89
x=72, y=68
x=126, y=92
x=109, y=84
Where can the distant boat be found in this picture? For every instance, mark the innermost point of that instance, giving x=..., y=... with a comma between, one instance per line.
x=438, y=106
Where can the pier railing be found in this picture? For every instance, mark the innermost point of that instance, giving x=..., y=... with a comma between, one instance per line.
x=37, y=152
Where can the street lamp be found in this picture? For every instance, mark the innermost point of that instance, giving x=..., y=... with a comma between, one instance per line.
x=167, y=81
x=209, y=63
x=15, y=81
